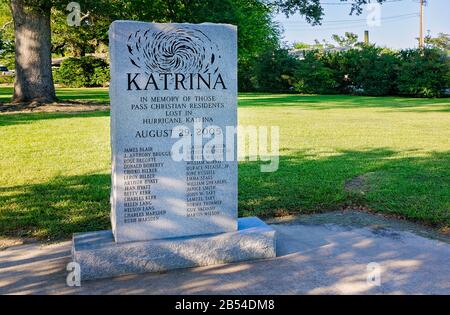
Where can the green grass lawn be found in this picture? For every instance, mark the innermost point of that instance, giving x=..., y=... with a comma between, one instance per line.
x=55, y=167
x=91, y=94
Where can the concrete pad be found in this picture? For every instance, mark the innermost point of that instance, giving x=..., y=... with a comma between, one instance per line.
x=100, y=256
x=323, y=257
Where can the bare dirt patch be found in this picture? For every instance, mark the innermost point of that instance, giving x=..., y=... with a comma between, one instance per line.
x=359, y=184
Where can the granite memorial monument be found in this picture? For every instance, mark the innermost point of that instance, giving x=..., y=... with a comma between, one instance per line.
x=173, y=97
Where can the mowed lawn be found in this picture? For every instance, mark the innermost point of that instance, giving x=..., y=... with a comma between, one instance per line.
x=91, y=94
x=387, y=154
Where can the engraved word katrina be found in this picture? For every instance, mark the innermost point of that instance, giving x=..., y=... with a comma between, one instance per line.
x=178, y=58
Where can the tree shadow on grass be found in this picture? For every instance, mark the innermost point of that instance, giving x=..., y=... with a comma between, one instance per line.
x=27, y=118
x=94, y=94
x=439, y=108
x=56, y=209
x=417, y=188
x=97, y=95
x=326, y=102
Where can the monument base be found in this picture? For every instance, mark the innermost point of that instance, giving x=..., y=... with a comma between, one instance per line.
x=100, y=256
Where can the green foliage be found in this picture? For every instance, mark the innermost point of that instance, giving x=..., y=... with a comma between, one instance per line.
x=423, y=73
x=7, y=79
x=7, y=59
x=301, y=45
x=321, y=45
x=101, y=76
x=313, y=76
x=442, y=41
x=377, y=72
x=78, y=40
x=83, y=72
x=257, y=32
x=275, y=71
x=71, y=73
x=258, y=35
x=348, y=40
x=6, y=37
x=370, y=70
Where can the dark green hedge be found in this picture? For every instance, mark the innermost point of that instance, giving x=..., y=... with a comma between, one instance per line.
x=366, y=70
x=374, y=71
x=85, y=71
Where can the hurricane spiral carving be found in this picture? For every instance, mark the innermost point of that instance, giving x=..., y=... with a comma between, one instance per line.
x=173, y=50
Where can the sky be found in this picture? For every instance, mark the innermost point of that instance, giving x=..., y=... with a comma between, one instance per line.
x=398, y=23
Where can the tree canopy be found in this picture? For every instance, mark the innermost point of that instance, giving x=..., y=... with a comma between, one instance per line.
x=257, y=33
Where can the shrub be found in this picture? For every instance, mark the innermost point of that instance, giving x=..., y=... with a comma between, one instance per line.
x=423, y=73
x=313, y=76
x=72, y=74
x=100, y=77
x=274, y=71
x=83, y=72
x=7, y=79
x=368, y=71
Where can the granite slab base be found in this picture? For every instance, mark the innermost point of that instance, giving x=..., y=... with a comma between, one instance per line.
x=100, y=256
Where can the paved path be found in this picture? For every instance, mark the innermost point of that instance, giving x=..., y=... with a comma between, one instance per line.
x=321, y=254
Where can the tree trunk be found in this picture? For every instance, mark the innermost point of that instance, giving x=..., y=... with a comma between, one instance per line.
x=34, y=81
